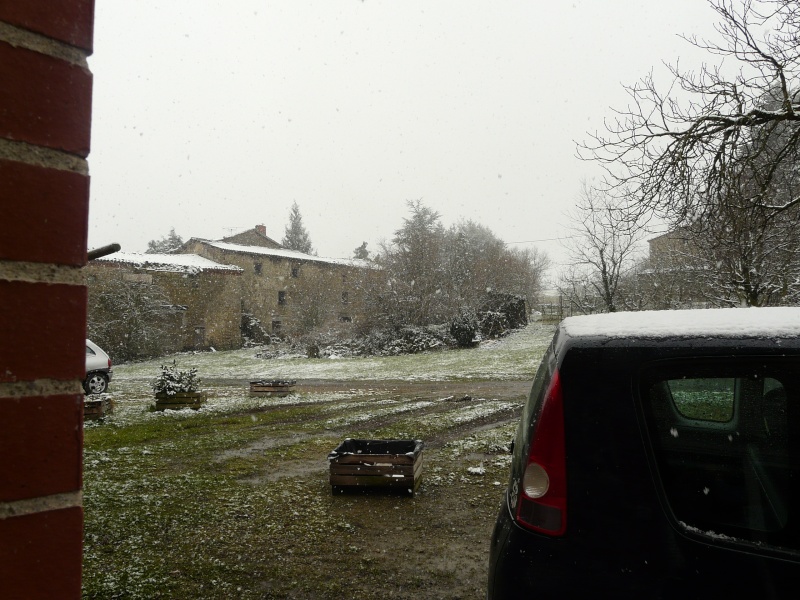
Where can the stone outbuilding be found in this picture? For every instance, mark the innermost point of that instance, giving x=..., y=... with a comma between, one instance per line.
x=197, y=300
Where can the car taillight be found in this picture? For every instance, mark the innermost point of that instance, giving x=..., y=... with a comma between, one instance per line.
x=542, y=504
x=109, y=363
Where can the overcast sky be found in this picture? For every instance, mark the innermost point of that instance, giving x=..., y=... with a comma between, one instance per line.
x=214, y=116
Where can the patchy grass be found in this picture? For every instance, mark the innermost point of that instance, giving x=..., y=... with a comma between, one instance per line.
x=233, y=501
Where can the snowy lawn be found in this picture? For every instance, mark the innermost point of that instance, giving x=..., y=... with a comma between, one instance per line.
x=513, y=357
x=233, y=501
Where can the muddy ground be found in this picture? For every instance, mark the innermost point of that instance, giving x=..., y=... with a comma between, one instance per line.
x=435, y=544
x=237, y=503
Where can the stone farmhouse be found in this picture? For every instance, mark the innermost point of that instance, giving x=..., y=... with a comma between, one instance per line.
x=289, y=292
x=207, y=291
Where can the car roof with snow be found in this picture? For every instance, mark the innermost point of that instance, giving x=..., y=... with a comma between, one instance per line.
x=774, y=326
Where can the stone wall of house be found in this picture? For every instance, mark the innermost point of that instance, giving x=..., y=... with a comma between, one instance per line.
x=671, y=249
x=674, y=275
x=323, y=294
x=200, y=309
x=214, y=309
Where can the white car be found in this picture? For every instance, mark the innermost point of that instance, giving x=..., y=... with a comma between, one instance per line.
x=98, y=369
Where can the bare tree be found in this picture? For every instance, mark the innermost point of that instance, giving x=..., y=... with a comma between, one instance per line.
x=132, y=320
x=576, y=287
x=478, y=262
x=602, y=248
x=744, y=258
x=681, y=149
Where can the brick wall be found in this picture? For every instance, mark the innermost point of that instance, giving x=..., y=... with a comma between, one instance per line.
x=45, y=126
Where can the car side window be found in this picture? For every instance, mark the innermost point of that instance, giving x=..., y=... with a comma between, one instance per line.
x=90, y=352
x=724, y=439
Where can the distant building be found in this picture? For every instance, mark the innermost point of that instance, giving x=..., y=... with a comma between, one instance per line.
x=289, y=291
x=676, y=271
x=207, y=292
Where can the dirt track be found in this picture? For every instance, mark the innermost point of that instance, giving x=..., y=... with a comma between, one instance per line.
x=434, y=545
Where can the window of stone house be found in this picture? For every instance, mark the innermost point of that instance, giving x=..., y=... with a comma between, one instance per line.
x=281, y=297
x=276, y=326
x=257, y=268
x=295, y=270
x=346, y=319
x=345, y=297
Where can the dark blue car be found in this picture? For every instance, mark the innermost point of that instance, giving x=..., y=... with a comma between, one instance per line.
x=658, y=456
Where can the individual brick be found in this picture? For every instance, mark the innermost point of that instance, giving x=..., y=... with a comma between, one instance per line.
x=46, y=101
x=68, y=21
x=44, y=214
x=41, y=446
x=40, y=557
x=43, y=331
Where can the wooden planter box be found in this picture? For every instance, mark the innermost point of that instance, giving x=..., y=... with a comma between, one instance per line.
x=180, y=400
x=380, y=463
x=274, y=387
x=97, y=409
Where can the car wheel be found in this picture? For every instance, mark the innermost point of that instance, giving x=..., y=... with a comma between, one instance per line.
x=96, y=383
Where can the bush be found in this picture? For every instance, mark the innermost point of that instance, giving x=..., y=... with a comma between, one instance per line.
x=494, y=324
x=253, y=332
x=464, y=328
x=407, y=340
x=501, y=313
x=172, y=380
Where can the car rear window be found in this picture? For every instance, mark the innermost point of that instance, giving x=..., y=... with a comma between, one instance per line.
x=724, y=440
x=704, y=399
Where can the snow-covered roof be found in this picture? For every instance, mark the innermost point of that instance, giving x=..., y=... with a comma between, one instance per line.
x=174, y=263
x=290, y=254
x=773, y=322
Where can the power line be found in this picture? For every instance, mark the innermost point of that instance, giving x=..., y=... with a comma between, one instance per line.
x=558, y=239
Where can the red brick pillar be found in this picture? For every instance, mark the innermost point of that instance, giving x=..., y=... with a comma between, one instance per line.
x=45, y=119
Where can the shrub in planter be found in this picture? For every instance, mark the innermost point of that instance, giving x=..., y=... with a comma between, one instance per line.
x=175, y=388
x=172, y=380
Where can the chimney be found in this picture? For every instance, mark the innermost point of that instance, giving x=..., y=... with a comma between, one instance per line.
x=262, y=229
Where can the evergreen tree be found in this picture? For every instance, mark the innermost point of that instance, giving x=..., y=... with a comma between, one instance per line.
x=361, y=252
x=165, y=244
x=295, y=236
